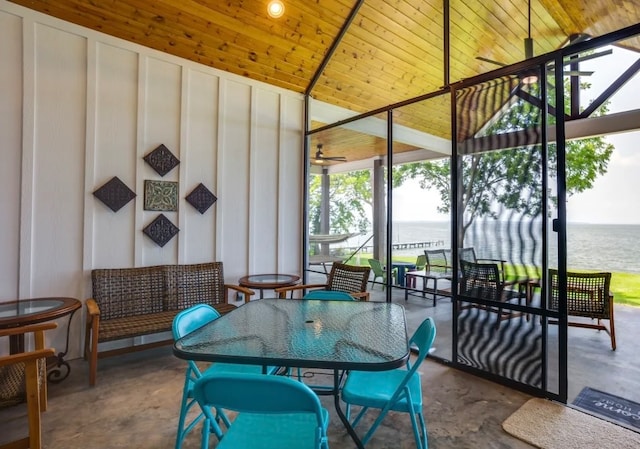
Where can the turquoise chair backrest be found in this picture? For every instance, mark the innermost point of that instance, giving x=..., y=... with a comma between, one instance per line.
x=188, y=320
x=256, y=393
x=423, y=339
x=331, y=295
x=192, y=318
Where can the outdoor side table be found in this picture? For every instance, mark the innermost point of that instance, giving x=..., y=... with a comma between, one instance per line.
x=268, y=281
x=38, y=310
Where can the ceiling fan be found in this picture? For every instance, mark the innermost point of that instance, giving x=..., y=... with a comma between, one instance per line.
x=528, y=54
x=320, y=157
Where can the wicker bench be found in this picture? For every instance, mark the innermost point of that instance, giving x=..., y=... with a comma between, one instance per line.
x=132, y=302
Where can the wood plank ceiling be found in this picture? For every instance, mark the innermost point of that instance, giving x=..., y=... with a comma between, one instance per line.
x=392, y=50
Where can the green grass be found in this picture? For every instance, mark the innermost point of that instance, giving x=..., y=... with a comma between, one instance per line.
x=624, y=286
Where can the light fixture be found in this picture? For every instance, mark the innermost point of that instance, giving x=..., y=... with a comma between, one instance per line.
x=275, y=9
x=529, y=77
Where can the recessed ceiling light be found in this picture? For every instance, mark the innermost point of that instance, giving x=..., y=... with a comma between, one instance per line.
x=275, y=9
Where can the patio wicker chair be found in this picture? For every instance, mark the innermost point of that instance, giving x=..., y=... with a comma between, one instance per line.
x=351, y=279
x=484, y=281
x=588, y=296
x=23, y=379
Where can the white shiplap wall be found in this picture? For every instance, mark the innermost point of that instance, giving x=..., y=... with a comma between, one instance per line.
x=79, y=107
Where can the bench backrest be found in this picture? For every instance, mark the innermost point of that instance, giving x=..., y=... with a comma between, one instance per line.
x=123, y=292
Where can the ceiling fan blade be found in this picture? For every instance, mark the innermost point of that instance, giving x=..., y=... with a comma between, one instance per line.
x=585, y=57
x=491, y=61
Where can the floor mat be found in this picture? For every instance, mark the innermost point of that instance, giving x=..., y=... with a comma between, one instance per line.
x=550, y=425
x=609, y=406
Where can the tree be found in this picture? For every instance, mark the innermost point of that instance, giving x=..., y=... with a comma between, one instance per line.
x=349, y=195
x=512, y=178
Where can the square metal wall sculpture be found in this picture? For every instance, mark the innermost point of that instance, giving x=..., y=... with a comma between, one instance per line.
x=114, y=194
x=161, y=160
x=201, y=198
x=161, y=230
x=161, y=195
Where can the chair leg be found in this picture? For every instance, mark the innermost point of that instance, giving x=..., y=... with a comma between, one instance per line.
x=33, y=404
x=93, y=356
x=612, y=328
x=435, y=291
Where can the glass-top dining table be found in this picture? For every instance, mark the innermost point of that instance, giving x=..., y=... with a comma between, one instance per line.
x=335, y=335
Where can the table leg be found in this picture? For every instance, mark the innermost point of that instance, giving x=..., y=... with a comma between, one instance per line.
x=54, y=374
x=341, y=415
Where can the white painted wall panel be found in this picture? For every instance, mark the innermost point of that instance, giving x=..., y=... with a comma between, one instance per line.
x=11, y=153
x=233, y=179
x=263, y=241
x=57, y=201
x=58, y=190
x=199, y=165
x=290, y=182
x=114, y=153
x=162, y=84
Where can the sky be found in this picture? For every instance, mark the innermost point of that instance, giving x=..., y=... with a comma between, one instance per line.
x=614, y=196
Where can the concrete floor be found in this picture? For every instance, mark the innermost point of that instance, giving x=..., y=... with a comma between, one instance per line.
x=136, y=401
x=135, y=405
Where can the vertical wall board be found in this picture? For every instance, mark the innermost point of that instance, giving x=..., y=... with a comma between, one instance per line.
x=233, y=178
x=163, y=87
x=264, y=182
x=58, y=168
x=290, y=182
x=116, y=83
x=11, y=132
x=200, y=165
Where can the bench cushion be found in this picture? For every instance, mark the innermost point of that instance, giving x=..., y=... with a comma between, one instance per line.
x=135, y=326
x=149, y=323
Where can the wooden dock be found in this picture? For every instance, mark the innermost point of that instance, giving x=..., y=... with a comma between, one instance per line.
x=403, y=245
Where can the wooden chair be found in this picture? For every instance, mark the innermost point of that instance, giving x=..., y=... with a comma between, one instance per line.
x=351, y=279
x=588, y=296
x=23, y=379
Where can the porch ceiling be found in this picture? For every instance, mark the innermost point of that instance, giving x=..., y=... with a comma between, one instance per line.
x=392, y=50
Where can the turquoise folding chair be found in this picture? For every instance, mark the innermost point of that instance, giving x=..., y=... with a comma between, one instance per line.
x=329, y=295
x=398, y=390
x=275, y=412
x=326, y=295
x=185, y=322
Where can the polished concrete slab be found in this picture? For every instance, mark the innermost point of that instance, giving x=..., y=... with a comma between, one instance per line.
x=135, y=405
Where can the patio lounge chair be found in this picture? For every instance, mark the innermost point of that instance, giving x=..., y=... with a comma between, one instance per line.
x=484, y=281
x=588, y=296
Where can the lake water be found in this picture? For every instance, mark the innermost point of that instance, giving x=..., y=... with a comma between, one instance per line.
x=605, y=247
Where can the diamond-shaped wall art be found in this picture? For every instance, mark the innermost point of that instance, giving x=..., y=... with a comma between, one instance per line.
x=201, y=198
x=161, y=195
x=161, y=160
x=161, y=230
x=114, y=194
